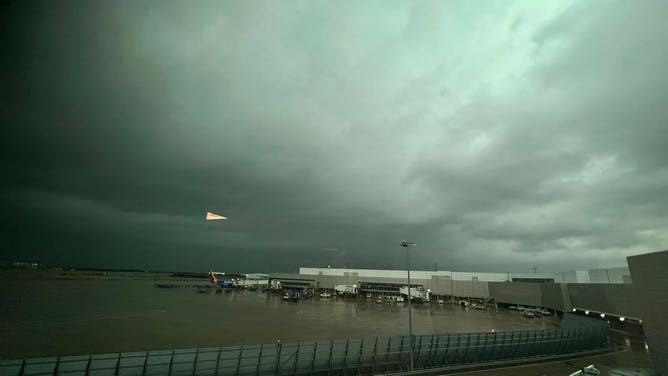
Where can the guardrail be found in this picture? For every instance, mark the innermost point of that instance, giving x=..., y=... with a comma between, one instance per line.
x=354, y=356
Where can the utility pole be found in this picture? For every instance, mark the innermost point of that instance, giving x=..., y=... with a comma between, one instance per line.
x=406, y=245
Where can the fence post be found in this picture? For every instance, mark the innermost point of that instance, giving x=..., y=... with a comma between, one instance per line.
x=459, y=357
x=511, y=345
x=434, y=353
x=194, y=363
x=278, y=357
x=467, y=355
x=563, y=337
x=331, y=350
x=375, y=351
x=456, y=356
x=387, y=353
x=482, y=347
x=220, y=351
x=501, y=351
x=55, y=368
x=297, y=356
x=143, y=371
x=215, y=371
x=489, y=346
x=259, y=359
x=431, y=349
x=345, y=357
x=171, y=362
x=444, y=360
x=315, y=347
x=118, y=365
x=570, y=339
x=551, y=343
x=90, y=358
x=23, y=367
x=431, y=346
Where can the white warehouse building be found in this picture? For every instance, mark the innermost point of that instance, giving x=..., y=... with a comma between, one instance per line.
x=444, y=283
x=608, y=275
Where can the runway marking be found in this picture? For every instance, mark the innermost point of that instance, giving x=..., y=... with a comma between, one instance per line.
x=102, y=316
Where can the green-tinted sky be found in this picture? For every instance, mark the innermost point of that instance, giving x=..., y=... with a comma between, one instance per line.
x=497, y=135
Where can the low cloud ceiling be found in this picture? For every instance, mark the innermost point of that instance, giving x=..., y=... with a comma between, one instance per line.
x=498, y=136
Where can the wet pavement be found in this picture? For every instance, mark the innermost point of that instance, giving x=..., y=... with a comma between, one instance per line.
x=71, y=317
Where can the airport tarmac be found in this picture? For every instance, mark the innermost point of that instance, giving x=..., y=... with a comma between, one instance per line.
x=49, y=317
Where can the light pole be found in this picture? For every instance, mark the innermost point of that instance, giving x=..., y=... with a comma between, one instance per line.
x=406, y=245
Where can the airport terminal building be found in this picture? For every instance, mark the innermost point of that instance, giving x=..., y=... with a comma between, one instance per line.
x=638, y=292
x=537, y=289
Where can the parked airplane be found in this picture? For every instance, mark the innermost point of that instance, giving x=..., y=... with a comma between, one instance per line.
x=220, y=282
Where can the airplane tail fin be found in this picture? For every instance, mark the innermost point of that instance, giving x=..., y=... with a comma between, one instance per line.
x=212, y=277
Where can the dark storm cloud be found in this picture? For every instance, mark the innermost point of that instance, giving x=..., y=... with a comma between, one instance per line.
x=497, y=137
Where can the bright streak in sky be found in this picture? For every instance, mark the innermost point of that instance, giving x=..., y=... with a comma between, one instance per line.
x=212, y=217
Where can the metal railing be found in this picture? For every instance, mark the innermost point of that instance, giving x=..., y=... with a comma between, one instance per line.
x=354, y=356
